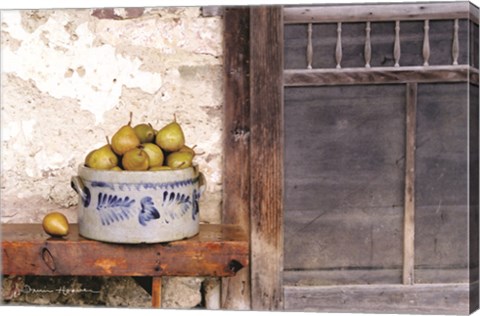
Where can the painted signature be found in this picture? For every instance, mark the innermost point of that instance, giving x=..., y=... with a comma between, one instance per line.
x=27, y=289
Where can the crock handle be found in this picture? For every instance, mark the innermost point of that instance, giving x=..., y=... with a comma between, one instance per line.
x=77, y=184
x=202, y=182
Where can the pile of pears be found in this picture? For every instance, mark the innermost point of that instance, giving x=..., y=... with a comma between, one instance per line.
x=142, y=148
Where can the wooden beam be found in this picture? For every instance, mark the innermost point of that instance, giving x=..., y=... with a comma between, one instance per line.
x=380, y=75
x=266, y=156
x=388, y=298
x=369, y=276
x=218, y=250
x=236, y=155
x=379, y=12
x=409, y=211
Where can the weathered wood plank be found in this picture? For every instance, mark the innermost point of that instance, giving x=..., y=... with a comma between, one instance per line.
x=441, y=175
x=416, y=299
x=341, y=277
x=377, y=12
x=336, y=139
x=372, y=276
x=218, y=250
x=380, y=75
x=326, y=240
x=344, y=174
x=474, y=184
x=236, y=179
x=474, y=45
x=296, y=44
x=409, y=204
x=266, y=157
x=374, y=238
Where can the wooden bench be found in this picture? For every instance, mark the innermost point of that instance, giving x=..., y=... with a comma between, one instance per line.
x=217, y=251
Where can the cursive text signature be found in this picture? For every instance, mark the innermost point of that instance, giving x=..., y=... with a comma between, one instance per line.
x=27, y=289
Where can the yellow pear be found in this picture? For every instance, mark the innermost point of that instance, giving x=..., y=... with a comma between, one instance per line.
x=179, y=160
x=144, y=132
x=55, y=224
x=135, y=160
x=155, y=154
x=191, y=150
x=170, y=138
x=102, y=158
x=125, y=139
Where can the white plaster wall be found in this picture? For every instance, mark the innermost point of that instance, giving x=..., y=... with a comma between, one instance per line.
x=70, y=77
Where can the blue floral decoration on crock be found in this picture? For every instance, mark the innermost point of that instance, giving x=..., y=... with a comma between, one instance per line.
x=148, y=211
x=113, y=208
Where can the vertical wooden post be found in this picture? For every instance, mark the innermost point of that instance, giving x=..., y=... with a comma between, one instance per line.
x=309, y=46
x=266, y=156
x=455, y=43
x=426, y=42
x=409, y=215
x=236, y=180
x=396, y=45
x=157, y=292
x=367, y=52
x=338, y=48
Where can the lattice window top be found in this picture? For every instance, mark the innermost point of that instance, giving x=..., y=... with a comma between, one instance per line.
x=396, y=13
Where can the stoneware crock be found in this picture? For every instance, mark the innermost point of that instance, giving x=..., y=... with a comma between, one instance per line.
x=138, y=206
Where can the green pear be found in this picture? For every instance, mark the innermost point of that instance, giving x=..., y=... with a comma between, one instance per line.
x=102, y=158
x=116, y=168
x=191, y=150
x=135, y=159
x=125, y=139
x=145, y=133
x=155, y=154
x=170, y=138
x=179, y=160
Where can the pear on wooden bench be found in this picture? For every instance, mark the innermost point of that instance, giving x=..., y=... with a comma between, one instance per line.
x=55, y=224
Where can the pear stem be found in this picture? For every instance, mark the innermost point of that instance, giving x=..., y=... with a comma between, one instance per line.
x=175, y=117
x=197, y=153
x=131, y=116
x=108, y=140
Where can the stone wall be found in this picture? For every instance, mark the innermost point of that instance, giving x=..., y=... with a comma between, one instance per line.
x=70, y=77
